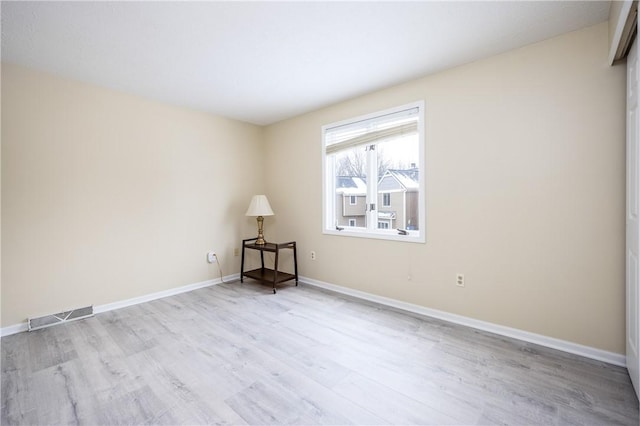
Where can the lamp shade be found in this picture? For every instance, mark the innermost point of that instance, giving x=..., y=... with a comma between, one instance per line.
x=259, y=206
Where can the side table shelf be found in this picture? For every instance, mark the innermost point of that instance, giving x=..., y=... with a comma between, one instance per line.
x=267, y=275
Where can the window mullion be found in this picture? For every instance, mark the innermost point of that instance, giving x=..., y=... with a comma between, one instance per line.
x=372, y=187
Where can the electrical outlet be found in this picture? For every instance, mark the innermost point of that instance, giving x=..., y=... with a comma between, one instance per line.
x=460, y=280
x=312, y=255
x=236, y=251
x=211, y=257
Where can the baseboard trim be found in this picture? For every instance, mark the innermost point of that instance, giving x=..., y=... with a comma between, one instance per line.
x=161, y=294
x=18, y=328
x=13, y=329
x=550, y=342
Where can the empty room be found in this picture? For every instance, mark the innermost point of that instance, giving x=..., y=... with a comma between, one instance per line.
x=369, y=213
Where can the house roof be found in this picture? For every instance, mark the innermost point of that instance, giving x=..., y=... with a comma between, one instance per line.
x=382, y=214
x=408, y=178
x=350, y=185
x=353, y=185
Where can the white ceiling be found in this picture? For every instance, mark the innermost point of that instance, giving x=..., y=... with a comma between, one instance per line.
x=262, y=62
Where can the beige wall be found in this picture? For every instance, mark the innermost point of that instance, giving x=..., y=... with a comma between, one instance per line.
x=107, y=196
x=525, y=193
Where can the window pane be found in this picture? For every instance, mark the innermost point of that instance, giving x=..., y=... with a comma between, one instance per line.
x=351, y=187
x=398, y=182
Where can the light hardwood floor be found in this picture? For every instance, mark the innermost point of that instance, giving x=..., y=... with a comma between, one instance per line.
x=238, y=354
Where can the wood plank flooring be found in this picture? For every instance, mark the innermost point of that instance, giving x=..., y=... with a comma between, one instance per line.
x=238, y=354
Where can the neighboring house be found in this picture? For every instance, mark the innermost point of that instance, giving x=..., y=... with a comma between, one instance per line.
x=351, y=198
x=397, y=200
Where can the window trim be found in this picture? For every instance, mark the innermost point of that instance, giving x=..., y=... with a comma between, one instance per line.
x=351, y=200
x=328, y=188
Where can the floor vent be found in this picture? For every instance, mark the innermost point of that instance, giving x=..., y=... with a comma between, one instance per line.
x=59, y=318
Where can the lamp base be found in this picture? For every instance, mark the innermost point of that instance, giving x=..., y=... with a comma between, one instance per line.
x=260, y=240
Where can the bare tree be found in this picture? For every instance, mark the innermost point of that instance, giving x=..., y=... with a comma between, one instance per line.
x=354, y=163
x=384, y=163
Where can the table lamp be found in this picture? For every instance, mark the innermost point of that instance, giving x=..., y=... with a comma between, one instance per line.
x=259, y=207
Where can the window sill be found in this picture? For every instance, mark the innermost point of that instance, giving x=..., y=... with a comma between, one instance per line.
x=392, y=235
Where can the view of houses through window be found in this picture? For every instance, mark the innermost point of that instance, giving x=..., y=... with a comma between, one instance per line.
x=372, y=174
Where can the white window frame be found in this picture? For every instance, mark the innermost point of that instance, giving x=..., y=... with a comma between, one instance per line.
x=353, y=200
x=329, y=226
x=353, y=222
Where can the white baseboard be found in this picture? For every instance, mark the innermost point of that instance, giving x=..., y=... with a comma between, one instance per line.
x=18, y=328
x=550, y=342
x=161, y=294
x=13, y=329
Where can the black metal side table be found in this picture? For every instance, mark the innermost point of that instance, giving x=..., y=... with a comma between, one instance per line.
x=267, y=275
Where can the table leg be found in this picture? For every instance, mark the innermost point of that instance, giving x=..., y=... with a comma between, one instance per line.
x=275, y=271
x=242, y=265
x=295, y=262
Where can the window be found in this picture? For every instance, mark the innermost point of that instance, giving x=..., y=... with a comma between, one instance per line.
x=383, y=225
x=380, y=159
x=386, y=199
